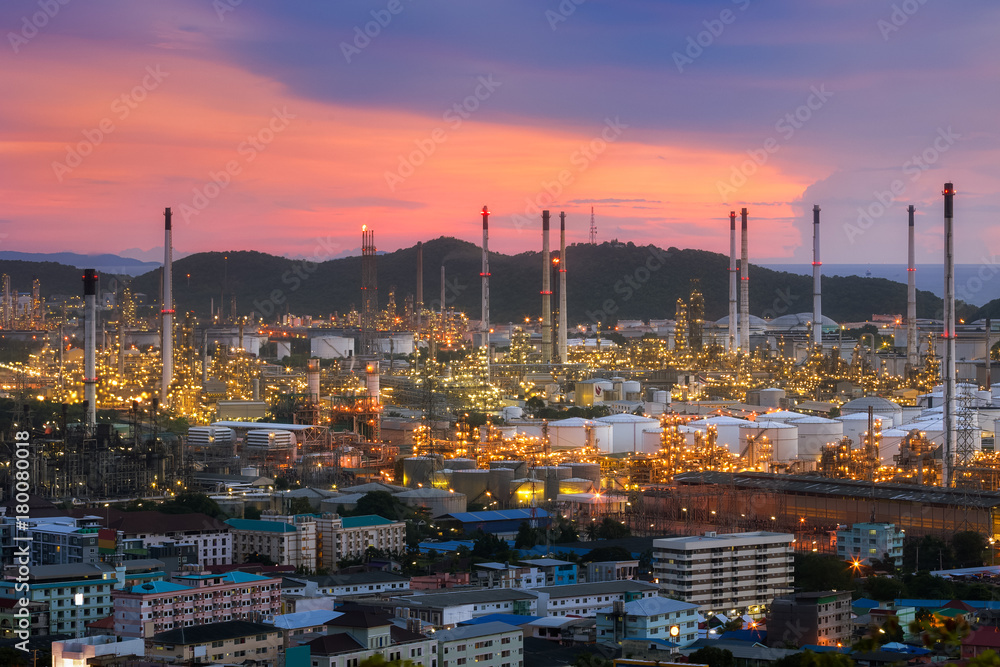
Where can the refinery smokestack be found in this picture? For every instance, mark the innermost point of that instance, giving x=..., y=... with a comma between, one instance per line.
x=817, y=276
x=733, y=320
x=312, y=380
x=168, y=309
x=912, y=356
x=90, y=345
x=948, y=457
x=744, y=288
x=442, y=294
x=563, y=343
x=486, y=285
x=420, y=284
x=546, y=292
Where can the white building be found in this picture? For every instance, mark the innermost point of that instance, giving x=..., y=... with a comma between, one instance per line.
x=867, y=541
x=724, y=573
x=649, y=618
x=75, y=652
x=448, y=609
x=587, y=599
x=504, y=575
x=211, y=537
x=346, y=585
x=350, y=536
x=493, y=644
x=290, y=541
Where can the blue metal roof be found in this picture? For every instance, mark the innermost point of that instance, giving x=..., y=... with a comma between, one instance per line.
x=509, y=619
x=154, y=587
x=499, y=515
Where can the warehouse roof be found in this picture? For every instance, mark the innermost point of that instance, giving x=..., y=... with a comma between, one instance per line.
x=597, y=588
x=455, y=598
x=497, y=515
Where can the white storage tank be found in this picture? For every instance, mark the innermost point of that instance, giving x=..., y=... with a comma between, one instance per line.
x=438, y=502
x=210, y=436
x=880, y=406
x=661, y=396
x=551, y=476
x=784, y=439
x=583, y=470
x=473, y=483
x=814, y=432
x=575, y=485
x=771, y=398
x=525, y=491
x=627, y=431
x=511, y=412
x=417, y=470
x=631, y=389
x=498, y=484
x=784, y=416
x=728, y=429
x=265, y=441
x=459, y=464
x=856, y=425
x=576, y=432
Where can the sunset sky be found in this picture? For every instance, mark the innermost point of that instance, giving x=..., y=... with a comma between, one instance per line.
x=646, y=110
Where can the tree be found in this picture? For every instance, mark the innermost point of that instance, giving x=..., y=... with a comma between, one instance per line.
x=188, y=502
x=13, y=657
x=830, y=659
x=259, y=558
x=527, y=537
x=588, y=659
x=820, y=572
x=602, y=554
x=970, y=548
x=251, y=513
x=712, y=656
x=987, y=658
x=884, y=589
x=381, y=503
x=300, y=505
x=609, y=529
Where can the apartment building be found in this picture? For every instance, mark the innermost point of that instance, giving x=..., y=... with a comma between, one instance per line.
x=504, y=575
x=587, y=599
x=211, y=537
x=447, y=609
x=734, y=572
x=612, y=570
x=229, y=642
x=866, y=541
x=492, y=644
x=354, y=637
x=290, y=541
x=648, y=618
x=194, y=599
x=822, y=619
x=557, y=572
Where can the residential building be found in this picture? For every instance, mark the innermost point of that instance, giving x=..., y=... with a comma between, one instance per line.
x=986, y=638
x=354, y=637
x=75, y=594
x=346, y=585
x=350, y=536
x=439, y=580
x=738, y=572
x=648, y=618
x=587, y=599
x=229, y=642
x=194, y=599
x=821, y=619
x=75, y=652
x=612, y=570
x=302, y=626
x=865, y=542
x=503, y=575
x=448, y=608
x=210, y=536
x=38, y=626
x=557, y=572
x=492, y=644
x=505, y=524
x=59, y=540
x=291, y=541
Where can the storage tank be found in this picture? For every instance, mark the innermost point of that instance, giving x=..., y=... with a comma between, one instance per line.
x=576, y=433
x=210, y=436
x=551, y=476
x=771, y=398
x=856, y=425
x=417, y=470
x=651, y=441
x=459, y=464
x=437, y=502
x=631, y=389
x=880, y=406
x=728, y=429
x=441, y=479
x=473, y=483
x=524, y=491
x=784, y=439
x=498, y=484
x=661, y=396
x=814, y=432
x=783, y=416
x=581, y=470
x=511, y=412
x=627, y=431
x=507, y=432
x=520, y=468
x=575, y=485
x=892, y=438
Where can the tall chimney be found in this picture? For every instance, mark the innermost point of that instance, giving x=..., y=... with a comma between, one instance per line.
x=563, y=333
x=817, y=274
x=948, y=458
x=744, y=289
x=546, y=292
x=486, y=285
x=420, y=284
x=912, y=354
x=733, y=281
x=90, y=345
x=442, y=294
x=312, y=380
x=167, y=311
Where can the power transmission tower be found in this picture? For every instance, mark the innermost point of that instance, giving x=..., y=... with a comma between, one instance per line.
x=593, y=227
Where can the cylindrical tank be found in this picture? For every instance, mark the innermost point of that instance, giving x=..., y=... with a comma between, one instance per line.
x=631, y=389
x=771, y=398
x=575, y=485
x=210, y=436
x=524, y=491
x=441, y=479
x=591, y=471
x=498, y=484
x=372, y=380
x=728, y=429
x=473, y=483
x=437, y=501
x=814, y=432
x=627, y=431
x=856, y=425
x=520, y=468
x=312, y=380
x=660, y=396
x=417, y=471
x=267, y=440
x=550, y=475
x=784, y=439
x=783, y=416
x=891, y=440
x=507, y=432
x=459, y=464
x=511, y=412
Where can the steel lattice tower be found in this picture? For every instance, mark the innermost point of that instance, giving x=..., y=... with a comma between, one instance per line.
x=369, y=291
x=593, y=227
